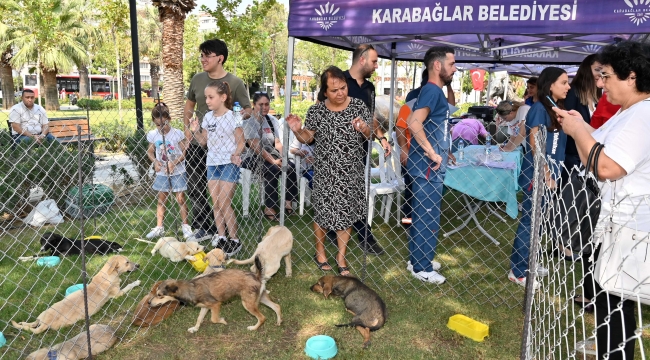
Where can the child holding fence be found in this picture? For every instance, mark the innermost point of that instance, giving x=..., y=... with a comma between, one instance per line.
x=166, y=151
x=224, y=138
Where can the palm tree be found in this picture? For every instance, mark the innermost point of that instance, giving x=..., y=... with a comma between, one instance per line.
x=47, y=32
x=6, y=78
x=150, y=36
x=172, y=16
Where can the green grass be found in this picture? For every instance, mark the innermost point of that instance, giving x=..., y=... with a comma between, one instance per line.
x=416, y=328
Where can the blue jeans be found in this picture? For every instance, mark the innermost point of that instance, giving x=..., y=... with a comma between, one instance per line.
x=20, y=138
x=407, y=209
x=426, y=202
x=521, y=245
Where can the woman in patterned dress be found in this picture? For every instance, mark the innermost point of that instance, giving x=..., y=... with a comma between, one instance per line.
x=340, y=127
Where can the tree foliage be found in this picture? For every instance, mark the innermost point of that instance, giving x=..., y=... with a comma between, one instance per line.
x=192, y=38
x=316, y=58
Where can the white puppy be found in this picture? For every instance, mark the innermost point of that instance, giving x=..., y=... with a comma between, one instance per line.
x=175, y=250
x=275, y=246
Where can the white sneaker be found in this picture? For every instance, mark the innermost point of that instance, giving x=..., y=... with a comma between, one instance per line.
x=521, y=281
x=431, y=277
x=542, y=271
x=436, y=266
x=158, y=231
x=218, y=241
x=187, y=231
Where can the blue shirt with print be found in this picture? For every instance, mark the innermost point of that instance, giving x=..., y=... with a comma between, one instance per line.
x=555, y=146
x=435, y=127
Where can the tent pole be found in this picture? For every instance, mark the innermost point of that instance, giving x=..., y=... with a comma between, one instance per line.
x=505, y=87
x=285, y=133
x=393, y=80
x=487, y=92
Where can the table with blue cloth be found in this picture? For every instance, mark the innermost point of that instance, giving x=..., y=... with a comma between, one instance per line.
x=485, y=184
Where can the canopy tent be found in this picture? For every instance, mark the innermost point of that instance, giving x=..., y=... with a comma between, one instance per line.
x=511, y=31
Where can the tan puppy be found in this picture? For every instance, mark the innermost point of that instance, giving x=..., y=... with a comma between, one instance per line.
x=216, y=260
x=275, y=245
x=209, y=291
x=103, y=286
x=102, y=337
x=175, y=250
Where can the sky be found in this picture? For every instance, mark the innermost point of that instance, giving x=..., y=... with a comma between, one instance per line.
x=242, y=7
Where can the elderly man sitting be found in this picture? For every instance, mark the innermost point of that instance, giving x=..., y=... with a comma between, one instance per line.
x=28, y=120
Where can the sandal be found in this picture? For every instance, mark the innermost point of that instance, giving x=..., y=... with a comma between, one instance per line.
x=322, y=264
x=270, y=217
x=343, y=269
x=288, y=211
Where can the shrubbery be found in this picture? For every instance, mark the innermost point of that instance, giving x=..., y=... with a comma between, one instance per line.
x=297, y=107
x=94, y=104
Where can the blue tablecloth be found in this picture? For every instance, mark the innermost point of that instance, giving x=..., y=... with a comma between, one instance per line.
x=485, y=183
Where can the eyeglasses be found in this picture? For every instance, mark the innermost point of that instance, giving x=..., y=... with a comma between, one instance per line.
x=203, y=56
x=604, y=75
x=260, y=92
x=368, y=47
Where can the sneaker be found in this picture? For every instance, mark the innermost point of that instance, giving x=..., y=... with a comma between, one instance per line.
x=521, y=281
x=406, y=221
x=158, y=231
x=199, y=235
x=372, y=249
x=436, y=266
x=187, y=231
x=587, y=347
x=218, y=241
x=231, y=247
x=431, y=277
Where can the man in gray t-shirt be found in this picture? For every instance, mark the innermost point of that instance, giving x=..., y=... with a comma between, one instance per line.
x=214, y=54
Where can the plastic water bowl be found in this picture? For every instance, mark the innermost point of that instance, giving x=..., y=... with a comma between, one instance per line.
x=48, y=261
x=3, y=341
x=468, y=327
x=199, y=265
x=73, y=288
x=321, y=347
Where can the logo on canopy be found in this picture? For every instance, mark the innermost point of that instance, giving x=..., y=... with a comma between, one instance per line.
x=327, y=16
x=591, y=48
x=637, y=10
x=478, y=77
x=416, y=50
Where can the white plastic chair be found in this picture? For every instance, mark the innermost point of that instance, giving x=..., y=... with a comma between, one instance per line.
x=245, y=180
x=389, y=185
x=303, y=186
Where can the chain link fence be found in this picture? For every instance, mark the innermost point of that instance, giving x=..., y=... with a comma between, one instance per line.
x=479, y=210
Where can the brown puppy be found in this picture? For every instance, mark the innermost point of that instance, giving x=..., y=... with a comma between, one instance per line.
x=147, y=315
x=103, y=287
x=216, y=260
x=102, y=337
x=361, y=301
x=209, y=291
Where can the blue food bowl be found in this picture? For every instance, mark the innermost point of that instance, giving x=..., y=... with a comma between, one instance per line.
x=48, y=261
x=321, y=347
x=3, y=341
x=73, y=288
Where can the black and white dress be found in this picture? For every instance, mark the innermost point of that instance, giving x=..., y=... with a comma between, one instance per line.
x=338, y=195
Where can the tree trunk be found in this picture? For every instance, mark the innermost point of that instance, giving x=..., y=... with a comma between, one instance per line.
x=50, y=92
x=173, y=25
x=6, y=79
x=84, y=83
x=154, y=70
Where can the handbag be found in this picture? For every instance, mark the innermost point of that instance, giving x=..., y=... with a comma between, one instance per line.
x=579, y=207
x=623, y=266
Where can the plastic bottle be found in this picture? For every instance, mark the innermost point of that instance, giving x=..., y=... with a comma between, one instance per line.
x=461, y=150
x=236, y=109
x=488, y=146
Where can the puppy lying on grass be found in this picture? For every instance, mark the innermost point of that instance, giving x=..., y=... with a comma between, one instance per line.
x=361, y=301
x=102, y=337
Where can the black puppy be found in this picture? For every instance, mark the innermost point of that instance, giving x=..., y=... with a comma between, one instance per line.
x=368, y=308
x=57, y=245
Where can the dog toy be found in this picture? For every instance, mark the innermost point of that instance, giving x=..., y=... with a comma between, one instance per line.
x=200, y=264
x=468, y=327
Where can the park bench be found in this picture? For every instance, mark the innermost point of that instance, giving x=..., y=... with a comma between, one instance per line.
x=65, y=129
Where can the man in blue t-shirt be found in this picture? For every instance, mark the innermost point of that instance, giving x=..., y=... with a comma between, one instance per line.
x=427, y=162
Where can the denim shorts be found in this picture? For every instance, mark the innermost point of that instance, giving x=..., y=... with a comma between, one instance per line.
x=226, y=172
x=178, y=182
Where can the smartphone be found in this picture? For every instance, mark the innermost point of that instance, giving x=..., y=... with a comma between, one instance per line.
x=552, y=102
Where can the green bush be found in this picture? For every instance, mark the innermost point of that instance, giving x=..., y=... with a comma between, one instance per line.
x=112, y=104
x=297, y=107
x=91, y=104
x=115, y=132
x=51, y=166
x=463, y=108
x=136, y=147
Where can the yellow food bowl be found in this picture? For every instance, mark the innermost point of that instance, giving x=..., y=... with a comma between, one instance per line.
x=468, y=327
x=199, y=265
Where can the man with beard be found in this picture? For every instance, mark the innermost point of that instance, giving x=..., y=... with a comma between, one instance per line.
x=428, y=156
x=364, y=64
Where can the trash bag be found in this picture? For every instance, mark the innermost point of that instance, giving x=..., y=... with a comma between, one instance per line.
x=46, y=212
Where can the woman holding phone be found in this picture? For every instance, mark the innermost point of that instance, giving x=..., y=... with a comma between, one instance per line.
x=552, y=88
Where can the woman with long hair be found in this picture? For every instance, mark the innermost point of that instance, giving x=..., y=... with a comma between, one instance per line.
x=553, y=83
